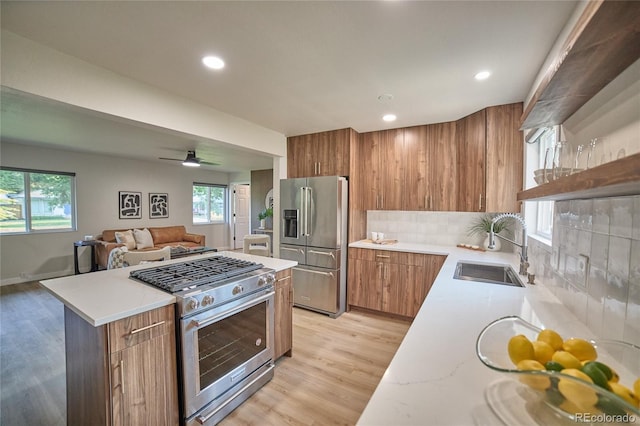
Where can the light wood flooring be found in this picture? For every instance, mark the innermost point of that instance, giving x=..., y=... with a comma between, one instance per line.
x=335, y=367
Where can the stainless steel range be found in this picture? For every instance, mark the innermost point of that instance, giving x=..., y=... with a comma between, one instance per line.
x=225, y=338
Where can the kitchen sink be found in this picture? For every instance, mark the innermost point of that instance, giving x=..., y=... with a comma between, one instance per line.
x=487, y=273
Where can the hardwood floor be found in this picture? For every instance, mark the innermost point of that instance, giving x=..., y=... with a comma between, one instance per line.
x=335, y=367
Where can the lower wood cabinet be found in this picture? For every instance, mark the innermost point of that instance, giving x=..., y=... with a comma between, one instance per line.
x=283, y=314
x=391, y=281
x=124, y=372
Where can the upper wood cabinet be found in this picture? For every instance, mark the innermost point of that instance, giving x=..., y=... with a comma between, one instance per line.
x=471, y=141
x=430, y=171
x=604, y=41
x=490, y=150
x=319, y=154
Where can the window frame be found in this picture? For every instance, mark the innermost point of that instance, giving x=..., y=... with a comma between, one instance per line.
x=28, y=226
x=225, y=206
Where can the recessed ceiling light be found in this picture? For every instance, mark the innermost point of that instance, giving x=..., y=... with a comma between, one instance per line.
x=389, y=117
x=213, y=62
x=482, y=75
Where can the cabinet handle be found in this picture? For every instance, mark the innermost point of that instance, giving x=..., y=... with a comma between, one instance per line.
x=480, y=203
x=138, y=330
x=383, y=256
x=319, y=167
x=283, y=278
x=122, y=376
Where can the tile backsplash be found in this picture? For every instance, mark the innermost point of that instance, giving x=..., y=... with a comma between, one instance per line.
x=439, y=228
x=593, y=265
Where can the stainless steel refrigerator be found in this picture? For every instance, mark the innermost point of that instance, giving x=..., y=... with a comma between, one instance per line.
x=314, y=234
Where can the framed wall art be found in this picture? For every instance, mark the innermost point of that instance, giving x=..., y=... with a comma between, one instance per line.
x=130, y=205
x=158, y=205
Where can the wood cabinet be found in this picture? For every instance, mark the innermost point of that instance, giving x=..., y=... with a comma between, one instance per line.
x=283, y=343
x=390, y=281
x=319, y=154
x=430, y=171
x=124, y=372
x=381, y=169
x=489, y=159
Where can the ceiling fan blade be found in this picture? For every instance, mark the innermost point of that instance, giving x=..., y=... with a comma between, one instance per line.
x=171, y=159
x=208, y=163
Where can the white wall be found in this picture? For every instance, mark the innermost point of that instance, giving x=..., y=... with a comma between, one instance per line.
x=98, y=180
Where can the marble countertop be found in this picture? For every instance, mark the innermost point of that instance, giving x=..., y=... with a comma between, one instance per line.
x=106, y=296
x=435, y=377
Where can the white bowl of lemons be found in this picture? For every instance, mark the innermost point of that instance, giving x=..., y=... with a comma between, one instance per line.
x=578, y=378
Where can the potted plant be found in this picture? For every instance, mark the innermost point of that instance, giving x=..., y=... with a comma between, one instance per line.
x=482, y=226
x=263, y=215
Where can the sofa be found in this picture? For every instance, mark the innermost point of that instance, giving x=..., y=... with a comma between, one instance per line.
x=165, y=236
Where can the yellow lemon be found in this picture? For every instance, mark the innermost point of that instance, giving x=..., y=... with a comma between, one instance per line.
x=551, y=337
x=580, y=348
x=636, y=388
x=520, y=348
x=578, y=393
x=566, y=360
x=538, y=382
x=542, y=351
x=624, y=393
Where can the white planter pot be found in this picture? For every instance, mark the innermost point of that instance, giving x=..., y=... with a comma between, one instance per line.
x=263, y=223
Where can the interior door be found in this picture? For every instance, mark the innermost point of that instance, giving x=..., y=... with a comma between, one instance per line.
x=241, y=214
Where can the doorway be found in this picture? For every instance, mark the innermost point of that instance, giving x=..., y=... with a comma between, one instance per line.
x=241, y=213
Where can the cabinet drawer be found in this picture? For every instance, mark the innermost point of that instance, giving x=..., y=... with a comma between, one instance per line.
x=372, y=255
x=135, y=329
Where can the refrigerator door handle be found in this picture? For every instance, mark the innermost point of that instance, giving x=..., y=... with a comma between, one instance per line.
x=309, y=211
x=303, y=211
x=291, y=249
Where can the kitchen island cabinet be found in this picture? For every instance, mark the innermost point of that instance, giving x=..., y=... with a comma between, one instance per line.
x=283, y=314
x=390, y=281
x=124, y=372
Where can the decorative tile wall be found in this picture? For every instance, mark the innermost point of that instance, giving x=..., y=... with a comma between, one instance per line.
x=593, y=265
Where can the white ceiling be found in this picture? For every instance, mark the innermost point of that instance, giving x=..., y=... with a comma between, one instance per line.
x=295, y=67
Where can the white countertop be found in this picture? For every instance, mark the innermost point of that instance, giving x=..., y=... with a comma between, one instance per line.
x=435, y=377
x=106, y=296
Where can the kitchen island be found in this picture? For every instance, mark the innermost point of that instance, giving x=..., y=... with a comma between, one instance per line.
x=120, y=334
x=435, y=377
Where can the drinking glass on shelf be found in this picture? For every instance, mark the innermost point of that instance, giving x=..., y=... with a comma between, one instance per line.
x=576, y=164
x=562, y=150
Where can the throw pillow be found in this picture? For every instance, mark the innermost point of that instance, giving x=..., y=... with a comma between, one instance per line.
x=143, y=238
x=126, y=238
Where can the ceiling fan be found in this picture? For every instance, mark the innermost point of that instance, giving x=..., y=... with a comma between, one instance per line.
x=191, y=160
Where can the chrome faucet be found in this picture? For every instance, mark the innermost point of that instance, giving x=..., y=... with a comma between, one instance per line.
x=524, y=260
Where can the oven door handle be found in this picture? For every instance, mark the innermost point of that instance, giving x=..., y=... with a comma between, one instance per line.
x=214, y=318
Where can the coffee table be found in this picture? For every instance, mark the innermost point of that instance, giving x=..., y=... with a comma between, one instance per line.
x=178, y=252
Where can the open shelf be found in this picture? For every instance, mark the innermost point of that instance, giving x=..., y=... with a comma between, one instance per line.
x=604, y=42
x=619, y=177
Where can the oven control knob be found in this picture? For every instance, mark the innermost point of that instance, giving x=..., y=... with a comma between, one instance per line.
x=207, y=300
x=261, y=281
x=271, y=278
x=192, y=304
x=237, y=290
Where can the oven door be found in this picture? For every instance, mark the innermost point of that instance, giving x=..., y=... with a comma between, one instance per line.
x=223, y=346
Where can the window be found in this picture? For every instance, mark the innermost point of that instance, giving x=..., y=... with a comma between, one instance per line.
x=209, y=203
x=36, y=201
x=541, y=151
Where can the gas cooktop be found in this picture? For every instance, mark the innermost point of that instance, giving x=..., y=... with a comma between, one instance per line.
x=193, y=273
